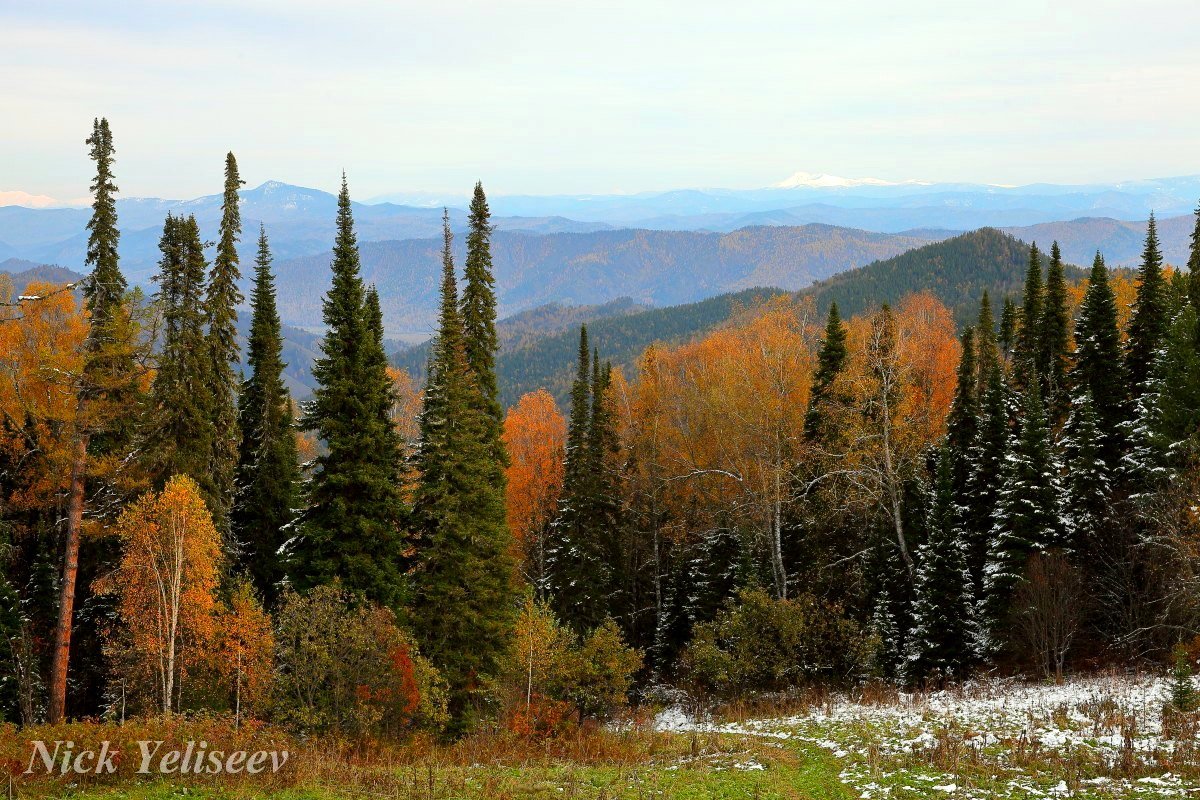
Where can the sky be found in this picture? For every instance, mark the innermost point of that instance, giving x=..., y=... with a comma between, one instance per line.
x=595, y=97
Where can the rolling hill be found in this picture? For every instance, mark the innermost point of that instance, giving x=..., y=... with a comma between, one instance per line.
x=956, y=271
x=654, y=268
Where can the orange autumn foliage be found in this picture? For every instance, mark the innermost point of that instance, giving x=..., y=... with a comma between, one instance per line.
x=41, y=359
x=535, y=433
x=165, y=586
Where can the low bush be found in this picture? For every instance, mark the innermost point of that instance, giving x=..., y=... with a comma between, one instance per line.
x=553, y=677
x=758, y=643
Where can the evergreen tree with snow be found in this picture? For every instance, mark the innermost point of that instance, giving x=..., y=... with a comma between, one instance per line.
x=352, y=527
x=578, y=567
x=962, y=423
x=987, y=350
x=1088, y=478
x=1099, y=369
x=986, y=481
x=1151, y=314
x=220, y=306
x=941, y=642
x=1028, y=517
x=268, y=474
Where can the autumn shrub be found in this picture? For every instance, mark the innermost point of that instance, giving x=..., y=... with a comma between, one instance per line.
x=347, y=666
x=552, y=676
x=758, y=643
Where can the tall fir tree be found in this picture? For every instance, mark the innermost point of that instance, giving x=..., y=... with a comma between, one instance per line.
x=1088, y=479
x=220, y=305
x=352, y=526
x=942, y=639
x=1055, y=338
x=1194, y=266
x=104, y=290
x=962, y=423
x=987, y=350
x=986, y=481
x=1099, y=369
x=831, y=360
x=1178, y=365
x=179, y=428
x=1151, y=315
x=268, y=474
x=578, y=573
x=462, y=608
x=479, y=307
x=1028, y=516
x=1009, y=321
x=1027, y=350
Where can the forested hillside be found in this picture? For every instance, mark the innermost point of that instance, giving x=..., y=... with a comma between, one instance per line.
x=955, y=271
x=546, y=362
x=657, y=268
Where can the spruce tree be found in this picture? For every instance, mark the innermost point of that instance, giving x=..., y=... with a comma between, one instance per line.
x=1194, y=266
x=180, y=431
x=831, y=360
x=105, y=288
x=1055, y=337
x=986, y=481
x=479, y=307
x=987, y=352
x=1099, y=369
x=962, y=423
x=1178, y=366
x=1009, y=321
x=1027, y=351
x=941, y=641
x=578, y=567
x=351, y=528
x=220, y=305
x=1028, y=516
x=462, y=607
x=268, y=474
x=1088, y=479
x=1148, y=324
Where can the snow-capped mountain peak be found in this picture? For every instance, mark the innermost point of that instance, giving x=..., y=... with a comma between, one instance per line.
x=810, y=180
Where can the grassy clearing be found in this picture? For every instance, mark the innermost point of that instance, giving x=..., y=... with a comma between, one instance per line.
x=596, y=765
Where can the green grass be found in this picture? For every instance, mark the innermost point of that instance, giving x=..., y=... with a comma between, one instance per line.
x=720, y=773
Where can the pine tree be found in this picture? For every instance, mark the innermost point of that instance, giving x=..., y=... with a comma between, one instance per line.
x=1088, y=478
x=1027, y=350
x=1148, y=324
x=1028, y=515
x=1099, y=369
x=268, y=474
x=941, y=641
x=462, y=608
x=351, y=528
x=962, y=422
x=1055, y=337
x=578, y=567
x=180, y=431
x=220, y=304
x=831, y=360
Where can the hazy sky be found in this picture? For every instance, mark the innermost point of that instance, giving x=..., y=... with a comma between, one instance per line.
x=567, y=96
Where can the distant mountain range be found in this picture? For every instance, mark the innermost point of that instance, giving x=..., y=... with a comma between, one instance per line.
x=300, y=220
x=654, y=268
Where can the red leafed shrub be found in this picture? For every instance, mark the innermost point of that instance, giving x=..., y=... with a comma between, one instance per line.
x=540, y=717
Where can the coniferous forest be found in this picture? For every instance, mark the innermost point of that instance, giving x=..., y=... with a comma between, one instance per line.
x=798, y=499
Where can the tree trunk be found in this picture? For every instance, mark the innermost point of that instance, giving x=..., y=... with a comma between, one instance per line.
x=66, y=597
